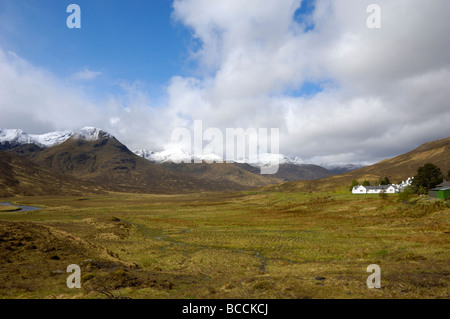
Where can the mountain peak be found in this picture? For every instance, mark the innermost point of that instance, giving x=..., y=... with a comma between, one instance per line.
x=89, y=133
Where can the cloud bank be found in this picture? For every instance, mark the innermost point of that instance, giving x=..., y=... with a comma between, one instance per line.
x=377, y=92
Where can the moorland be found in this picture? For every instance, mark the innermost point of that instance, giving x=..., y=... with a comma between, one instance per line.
x=248, y=244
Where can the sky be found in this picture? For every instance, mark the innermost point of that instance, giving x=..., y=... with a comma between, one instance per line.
x=337, y=90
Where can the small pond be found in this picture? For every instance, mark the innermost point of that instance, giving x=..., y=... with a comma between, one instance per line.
x=22, y=208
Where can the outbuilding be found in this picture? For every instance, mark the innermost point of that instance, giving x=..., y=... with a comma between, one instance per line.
x=442, y=193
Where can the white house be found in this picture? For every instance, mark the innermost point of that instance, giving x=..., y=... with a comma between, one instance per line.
x=407, y=183
x=359, y=189
x=388, y=189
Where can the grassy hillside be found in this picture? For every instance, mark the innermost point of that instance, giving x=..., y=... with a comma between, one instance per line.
x=19, y=176
x=234, y=175
x=291, y=172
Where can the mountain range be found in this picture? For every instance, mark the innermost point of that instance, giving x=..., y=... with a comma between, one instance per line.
x=93, y=155
x=290, y=168
x=178, y=156
x=93, y=159
x=14, y=138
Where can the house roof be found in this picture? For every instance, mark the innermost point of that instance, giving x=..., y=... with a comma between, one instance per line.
x=440, y=189
x=378, y=187
x=444, y=184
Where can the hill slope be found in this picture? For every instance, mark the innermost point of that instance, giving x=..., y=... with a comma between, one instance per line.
x=293, y=172
x=229, y=175
x=396, y=169
x=19, y=176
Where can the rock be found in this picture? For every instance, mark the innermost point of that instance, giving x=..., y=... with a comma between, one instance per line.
x=320, y=278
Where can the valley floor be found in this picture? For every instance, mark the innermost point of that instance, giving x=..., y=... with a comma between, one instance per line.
x=228, y=245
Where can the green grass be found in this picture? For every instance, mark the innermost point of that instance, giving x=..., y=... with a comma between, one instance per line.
x=243, y=245
x=8, y=208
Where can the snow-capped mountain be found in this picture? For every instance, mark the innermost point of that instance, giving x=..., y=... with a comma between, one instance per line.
x=178, y=156
x=16, y=137
x=268, y=159
x=262, y=160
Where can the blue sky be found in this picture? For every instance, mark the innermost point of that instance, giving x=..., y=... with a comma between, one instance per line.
x=338, y=91
x=124, y=40
x=303, y=14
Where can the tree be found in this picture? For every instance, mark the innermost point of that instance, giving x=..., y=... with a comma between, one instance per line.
x=385, y=181
x=428, y=176
x=366, y=183
x=354, y=183
x=448, y=175
x=421, y=190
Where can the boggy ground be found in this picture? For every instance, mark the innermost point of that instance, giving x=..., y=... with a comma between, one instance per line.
x=229, y=245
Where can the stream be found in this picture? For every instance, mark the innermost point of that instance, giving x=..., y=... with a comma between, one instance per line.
x=156, y=234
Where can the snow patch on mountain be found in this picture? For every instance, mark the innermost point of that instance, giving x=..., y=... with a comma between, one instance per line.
x=90, y=134
x=14, y=137
x=50, y=139
x=171, y=155
x=269, y=158
x=176, y=156
x=210, y=158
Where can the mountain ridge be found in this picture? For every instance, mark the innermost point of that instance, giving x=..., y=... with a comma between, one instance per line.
x=16, y=138
x=177, y=156
x=94, y=155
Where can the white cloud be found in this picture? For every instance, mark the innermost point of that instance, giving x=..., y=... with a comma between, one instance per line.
x=86, y=74
x=31, y=98
x=389, y=94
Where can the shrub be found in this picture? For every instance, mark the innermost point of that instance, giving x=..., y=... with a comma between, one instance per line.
x=405, y=195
